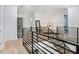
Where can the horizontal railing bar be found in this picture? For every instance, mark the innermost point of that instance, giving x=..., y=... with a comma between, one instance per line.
x=36, y=48
x=50, y=33
x=27, y=42
x=44, y=48
x=26, y=48
x=57, y=45
x=25, y=32
x=40, y=49
x=49, y=46
x=64, y=48
x=57, y=39
x=67, y=46
x=33, y=47
x=27, y=37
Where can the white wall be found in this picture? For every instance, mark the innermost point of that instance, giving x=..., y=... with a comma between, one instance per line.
x=73, y=21
x=2, y=42
x=73, y=17
x=26, y=19
x=10, y=22
x=53, y=18
x=0, y=17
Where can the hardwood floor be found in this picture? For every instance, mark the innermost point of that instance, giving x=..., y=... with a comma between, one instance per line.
x=14, y=47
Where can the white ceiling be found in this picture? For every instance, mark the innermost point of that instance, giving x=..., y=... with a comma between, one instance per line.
x=33, y=8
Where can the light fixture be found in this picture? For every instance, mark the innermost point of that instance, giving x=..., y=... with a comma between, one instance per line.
x=26, y=6
x=40, y=9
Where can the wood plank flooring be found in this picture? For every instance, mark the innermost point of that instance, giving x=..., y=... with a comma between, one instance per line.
x=14, y=47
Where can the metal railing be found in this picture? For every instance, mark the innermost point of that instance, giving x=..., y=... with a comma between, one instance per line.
x=32, y=40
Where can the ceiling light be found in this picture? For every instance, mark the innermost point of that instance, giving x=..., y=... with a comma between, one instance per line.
x=40, y=8
x=26, y=6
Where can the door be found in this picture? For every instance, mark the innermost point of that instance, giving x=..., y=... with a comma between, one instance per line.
x=19, y=27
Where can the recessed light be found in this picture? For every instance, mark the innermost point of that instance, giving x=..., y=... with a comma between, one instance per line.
x=40, y=8
x=26, y=6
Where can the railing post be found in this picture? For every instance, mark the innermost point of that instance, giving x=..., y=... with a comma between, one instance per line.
x=77, y=35
x=57, y=32
x=64, y=48
x=32, y=42
x=23, y=36
x=48, y=32
x=37, y=36
x=31, y=28
x=77, y=47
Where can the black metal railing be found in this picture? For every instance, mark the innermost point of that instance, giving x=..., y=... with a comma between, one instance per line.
x=57, y=44
x=34, y=41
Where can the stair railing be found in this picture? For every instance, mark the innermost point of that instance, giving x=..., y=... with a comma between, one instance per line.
x=35, y=43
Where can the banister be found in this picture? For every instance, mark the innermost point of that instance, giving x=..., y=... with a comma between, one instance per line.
x=57, y=39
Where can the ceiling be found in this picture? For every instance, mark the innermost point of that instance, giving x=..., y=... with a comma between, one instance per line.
x=48, y=8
